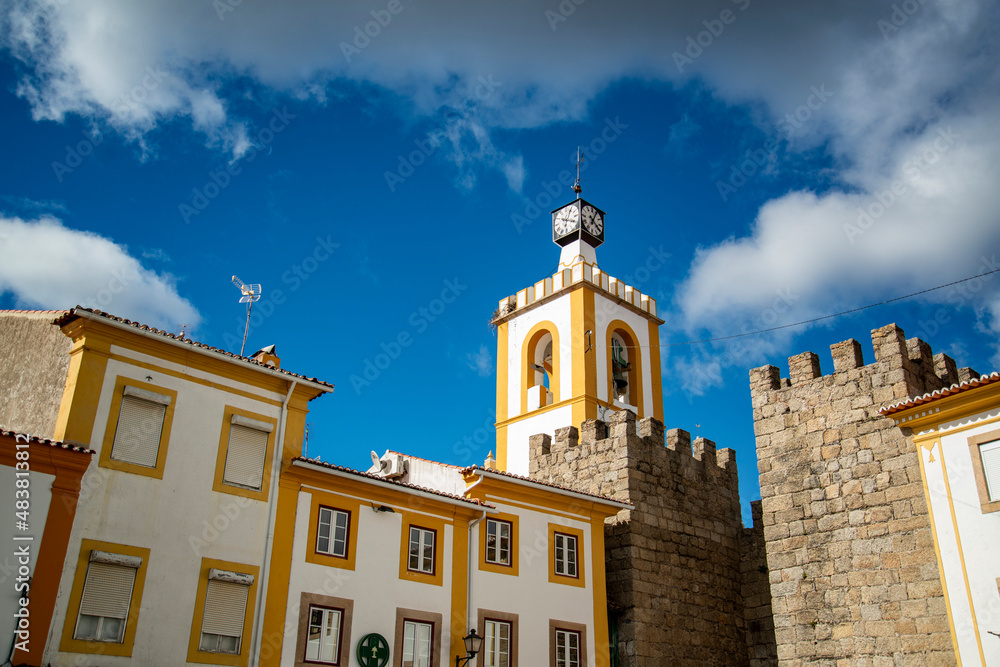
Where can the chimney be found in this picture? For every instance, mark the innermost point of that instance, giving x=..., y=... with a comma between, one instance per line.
x=267, y=356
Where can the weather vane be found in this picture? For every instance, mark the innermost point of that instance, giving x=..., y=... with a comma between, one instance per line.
x=579, y=158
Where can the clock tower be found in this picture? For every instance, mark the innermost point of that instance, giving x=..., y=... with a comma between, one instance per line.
x=576, y=345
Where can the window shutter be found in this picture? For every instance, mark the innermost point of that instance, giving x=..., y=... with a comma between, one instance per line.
x=137, y=437
x=107, y=591
x=225, y=608
x=991, y=467
x=245, y=456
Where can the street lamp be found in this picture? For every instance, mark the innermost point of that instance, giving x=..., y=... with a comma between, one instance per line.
x=473, y=643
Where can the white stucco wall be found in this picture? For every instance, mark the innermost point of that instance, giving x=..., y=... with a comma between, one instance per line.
x=531, y=595
x=519, y=432
x=40, y=492
x=374, y=585
x=180, y=519
x=556, y=311
x=967, y=539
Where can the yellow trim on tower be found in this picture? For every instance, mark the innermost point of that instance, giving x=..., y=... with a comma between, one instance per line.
x=219, y=483
x=71, y=645
x=635, y=374
x=502, y=390
x=528, y=353
x=655, y=373
x=112, y=428
x=583, y=319
x=241, y=659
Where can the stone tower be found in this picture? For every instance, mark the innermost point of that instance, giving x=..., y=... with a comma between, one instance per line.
x=853, y=570
x=680, y=563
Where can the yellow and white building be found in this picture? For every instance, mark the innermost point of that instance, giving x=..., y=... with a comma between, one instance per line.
x=171, y=542
x=378, y=560
x=957, y=435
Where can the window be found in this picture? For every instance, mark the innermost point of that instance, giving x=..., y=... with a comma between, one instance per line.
x=246, y=452
x=104, y=601
x=423, y=541
x=223, y=613
x=417, y=638
x=332, y=532
x=138, y=428
x=324, y=635
x=984, y=450
x=498, y=534
x=499, y=632
x=566, y=555
x=107, y=595
x=567, y=648
x=421, y=558
x=324, y=630
x=246, y=446
x=565, y=546
x=990, y=452
x=567, y=644
x=498, y=544
x=496, y=644
x=624, y=364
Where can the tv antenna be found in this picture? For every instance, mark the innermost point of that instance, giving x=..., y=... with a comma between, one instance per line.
x=250, y=294
x=580, y=157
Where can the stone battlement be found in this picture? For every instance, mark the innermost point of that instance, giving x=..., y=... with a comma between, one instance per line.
x=847, y=536
x=911, y=361
x=674, y=560
x=566, y=278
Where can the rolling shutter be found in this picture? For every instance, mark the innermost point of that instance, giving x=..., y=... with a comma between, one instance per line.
x=107, y=591
x=245, y=456
x=225, y=608
x=137, y=437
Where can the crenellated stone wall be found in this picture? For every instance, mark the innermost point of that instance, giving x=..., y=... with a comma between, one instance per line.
x=674, y=563
x=853, y=572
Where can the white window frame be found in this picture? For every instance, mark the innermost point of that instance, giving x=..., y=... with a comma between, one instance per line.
x=562, y=641
x=989, y=454
x=495, y=550
x=320, y=643
x=425, y=538
x=565, y=546
x=493, y=655
x=409, y=657
x=332, y=525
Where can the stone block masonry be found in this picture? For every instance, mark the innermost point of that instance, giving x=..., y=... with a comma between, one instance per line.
x=853, y=573
x=674, y=562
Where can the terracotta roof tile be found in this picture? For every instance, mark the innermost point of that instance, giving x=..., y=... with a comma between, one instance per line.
x=27, y=437
x=372, y=476
x=930, y=397
x=503, y=473
x=67, y=316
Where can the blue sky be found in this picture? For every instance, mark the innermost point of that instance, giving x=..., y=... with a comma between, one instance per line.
x=760, y=164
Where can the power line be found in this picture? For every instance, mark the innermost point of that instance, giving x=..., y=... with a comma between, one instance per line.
x=826, y=317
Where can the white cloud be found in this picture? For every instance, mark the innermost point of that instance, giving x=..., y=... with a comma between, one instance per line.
x=46, y=265
x=481, y=361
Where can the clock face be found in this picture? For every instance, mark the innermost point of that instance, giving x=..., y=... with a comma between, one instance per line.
x=592, y=220
x=566, y=220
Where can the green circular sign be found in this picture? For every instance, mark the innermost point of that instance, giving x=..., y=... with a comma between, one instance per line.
x=373, y=650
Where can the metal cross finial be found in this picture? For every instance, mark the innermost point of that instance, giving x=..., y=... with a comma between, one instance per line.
x=579, y=158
